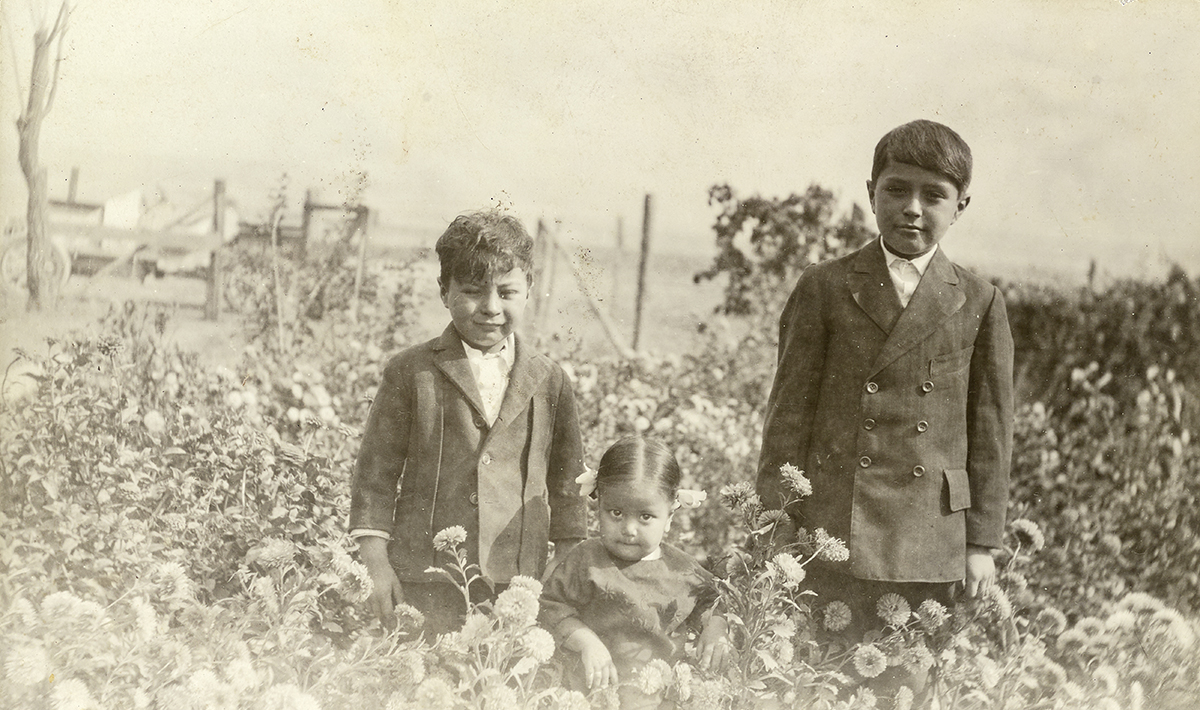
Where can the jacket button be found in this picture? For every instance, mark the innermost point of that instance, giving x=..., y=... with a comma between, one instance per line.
x=865, y=461
x=486, y=460
x=474, y=498
x=872, y=387
x=926, y=386
x=918, y=471
x=922, y=426
x=479, y=423
x=869, y=424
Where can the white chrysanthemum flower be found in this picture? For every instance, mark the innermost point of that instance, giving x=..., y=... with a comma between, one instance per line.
x=650, y=678
x=410, y=668
x=286, y=696
x=538, y=643
x=572, y=700
x=904, y=699
x=782, y=650
x=1174, y=627
x=435, y=694
x=263, y=589
x=918, y=659
x=529, y=584
x=241, y=674
x=475, y=629
x=989, y=672
x=1051, y=621
x=796, y=479
x=174, y=586
x=893, y=609
x=141, y=699
x=1107, y=676
x=1120, y=620
x=787, y=567
x=830, y=549
x=837, y=616
x=869, y=661
x=207, y=690
x=356, y=584
x=516, y=607
x=24, y=611
x=175, y=522
x=1028, y=534
x=449, y=538
x=26, y=665
x=932, y=614
x=865, y=698
x=767, y=518
x=1140, y=603
x=61, y=608
x=683, y=681
x=71, y=694
x=276, y=552
x=145, y=619
x=500, y=697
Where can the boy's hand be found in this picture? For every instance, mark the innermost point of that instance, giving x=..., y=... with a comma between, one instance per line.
x=386, y=591
x=713, y=645
x=981, y=570
x=598, y=668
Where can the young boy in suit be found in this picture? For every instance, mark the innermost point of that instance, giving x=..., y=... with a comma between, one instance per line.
x=893, y=391
x=471, y=429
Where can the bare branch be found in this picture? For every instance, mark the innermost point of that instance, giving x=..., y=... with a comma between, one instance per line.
x=59, y=31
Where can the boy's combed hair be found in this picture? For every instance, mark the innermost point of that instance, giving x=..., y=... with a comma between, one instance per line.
x=637, y=457
x=479, y=245
x=928, y=145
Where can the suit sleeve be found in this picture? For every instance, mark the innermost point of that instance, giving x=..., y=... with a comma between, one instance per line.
x=990, y=426
x=384, y=449
x=787, y=429
x=568, y=509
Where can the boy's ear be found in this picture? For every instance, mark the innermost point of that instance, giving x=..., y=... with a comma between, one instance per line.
x=962, y=205
x=871, y=194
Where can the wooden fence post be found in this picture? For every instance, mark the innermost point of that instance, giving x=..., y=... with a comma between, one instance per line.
x=641, y=282
x=212, y=300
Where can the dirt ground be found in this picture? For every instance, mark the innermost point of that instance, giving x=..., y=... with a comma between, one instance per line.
x=675, y=305
x=86, y=299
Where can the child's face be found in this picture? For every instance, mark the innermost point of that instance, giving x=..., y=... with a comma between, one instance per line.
x=485, y=313
x=634, y=516
x=913, y=207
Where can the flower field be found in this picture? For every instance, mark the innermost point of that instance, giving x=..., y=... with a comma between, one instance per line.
x=172, y=535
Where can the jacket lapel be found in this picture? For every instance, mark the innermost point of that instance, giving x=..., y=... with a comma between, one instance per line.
x=872, y=287
x=527, y=375
x=937, y=298
x=451, y=359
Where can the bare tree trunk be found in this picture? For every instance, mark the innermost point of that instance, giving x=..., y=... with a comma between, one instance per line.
x=39, y=269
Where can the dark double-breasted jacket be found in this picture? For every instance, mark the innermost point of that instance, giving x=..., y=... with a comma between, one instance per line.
x=429, y=461
x=900, y=417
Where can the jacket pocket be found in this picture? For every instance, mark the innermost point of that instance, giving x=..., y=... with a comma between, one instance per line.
x=959, y=489
x=951, y=363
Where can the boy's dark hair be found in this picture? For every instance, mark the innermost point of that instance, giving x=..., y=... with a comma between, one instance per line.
x=928, y=145
x=636, y=457
x=480, y=245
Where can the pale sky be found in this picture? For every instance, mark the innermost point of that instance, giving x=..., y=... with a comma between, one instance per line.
x=1083, y=117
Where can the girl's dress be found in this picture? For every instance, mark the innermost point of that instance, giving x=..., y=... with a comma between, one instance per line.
x=641, y=610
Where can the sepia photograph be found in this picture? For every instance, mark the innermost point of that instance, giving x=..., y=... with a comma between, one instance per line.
x=707, y=355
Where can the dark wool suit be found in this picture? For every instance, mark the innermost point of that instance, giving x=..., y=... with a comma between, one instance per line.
x=429, y=460
x=901, y=417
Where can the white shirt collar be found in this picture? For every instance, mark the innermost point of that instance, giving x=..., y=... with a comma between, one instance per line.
x=921, y=262
x=507, y=352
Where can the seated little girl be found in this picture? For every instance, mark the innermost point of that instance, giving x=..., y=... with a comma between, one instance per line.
x=625, y=598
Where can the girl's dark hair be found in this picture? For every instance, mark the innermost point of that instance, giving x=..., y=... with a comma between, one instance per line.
x=928, y=145
x=480, y=245
x=636, y=457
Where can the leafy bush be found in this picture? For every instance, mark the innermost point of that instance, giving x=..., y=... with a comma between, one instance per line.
x=764, y=243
